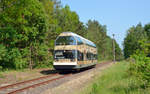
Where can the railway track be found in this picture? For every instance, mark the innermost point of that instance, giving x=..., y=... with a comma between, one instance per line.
x=22, y=86
x=26, y=85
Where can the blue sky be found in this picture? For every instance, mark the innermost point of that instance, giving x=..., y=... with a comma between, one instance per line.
x=118, y=15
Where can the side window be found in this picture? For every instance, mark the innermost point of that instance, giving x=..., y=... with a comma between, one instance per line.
x=95, y=56
x=91, y=56
x=88, y=56
x=79, y=41
x=80, y=56
x=66, y=40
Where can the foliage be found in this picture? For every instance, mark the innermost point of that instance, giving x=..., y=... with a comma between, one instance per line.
x=23, y=24
x=3, y=52
x=28, y=29
x=97, y=33
x=118, y=52
x=140, y=67
x=137, y=48
x=131, y=42
x=147, y=29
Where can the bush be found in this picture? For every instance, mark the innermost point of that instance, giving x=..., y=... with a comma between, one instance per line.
x=1, y=68
x=2, y=52
x=140, y=67
x=15, y=59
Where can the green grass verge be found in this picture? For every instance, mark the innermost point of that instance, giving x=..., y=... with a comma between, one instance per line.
x=115, y=80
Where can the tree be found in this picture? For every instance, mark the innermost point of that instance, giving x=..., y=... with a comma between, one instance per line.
x=131, y=42
x=28, y=29
x=97, y=33
x=95, y=29
x=28, y=21
x=147, y=30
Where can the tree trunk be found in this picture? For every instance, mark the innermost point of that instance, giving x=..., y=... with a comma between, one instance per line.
x=30, y=65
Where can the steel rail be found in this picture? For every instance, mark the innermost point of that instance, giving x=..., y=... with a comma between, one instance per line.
x=19, y=83
x=38, y=84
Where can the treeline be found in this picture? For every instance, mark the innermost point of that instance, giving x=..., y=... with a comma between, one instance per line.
x=28, y=29
x=98, y=34
x=137, y=40
x=137, y=51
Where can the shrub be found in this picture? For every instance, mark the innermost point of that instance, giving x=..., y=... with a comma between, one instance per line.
x=140, y=67
x=1, y=68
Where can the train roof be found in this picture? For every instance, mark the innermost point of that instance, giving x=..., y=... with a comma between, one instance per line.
x=86, y=41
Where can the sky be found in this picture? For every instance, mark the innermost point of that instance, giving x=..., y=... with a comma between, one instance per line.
x=117, y=15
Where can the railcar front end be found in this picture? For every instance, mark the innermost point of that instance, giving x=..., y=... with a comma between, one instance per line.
x=65, y=59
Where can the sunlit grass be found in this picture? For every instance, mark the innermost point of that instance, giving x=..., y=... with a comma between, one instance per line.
x=115, y=80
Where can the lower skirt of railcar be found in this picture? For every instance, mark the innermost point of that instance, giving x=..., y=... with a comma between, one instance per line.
x=65, y=67
x=73, y=67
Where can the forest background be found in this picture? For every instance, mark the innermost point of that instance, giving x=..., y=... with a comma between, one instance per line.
x=28, y=29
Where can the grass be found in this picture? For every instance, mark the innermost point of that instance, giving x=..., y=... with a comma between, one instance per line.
x=115, y=80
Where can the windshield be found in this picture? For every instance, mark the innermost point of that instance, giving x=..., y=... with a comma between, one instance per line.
x=66, y=40
x=64, y=54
